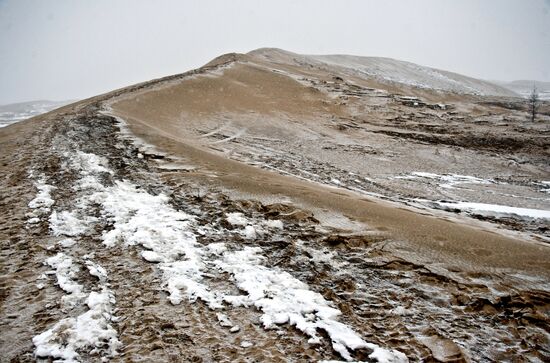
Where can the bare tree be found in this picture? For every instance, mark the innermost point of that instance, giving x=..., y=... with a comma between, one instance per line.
x=533, y=103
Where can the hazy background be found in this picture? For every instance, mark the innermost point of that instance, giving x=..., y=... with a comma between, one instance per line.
x=67, y=49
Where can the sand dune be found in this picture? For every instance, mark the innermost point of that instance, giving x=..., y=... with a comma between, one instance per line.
x=279, y=207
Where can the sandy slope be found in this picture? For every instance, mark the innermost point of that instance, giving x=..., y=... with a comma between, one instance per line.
x=389, y=70
x=304, y=120
x=276, y=139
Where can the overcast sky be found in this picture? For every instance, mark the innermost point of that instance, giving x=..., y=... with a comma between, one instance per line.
x=68, y=49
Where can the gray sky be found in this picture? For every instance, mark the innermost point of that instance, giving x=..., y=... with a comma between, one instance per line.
x=67, y=49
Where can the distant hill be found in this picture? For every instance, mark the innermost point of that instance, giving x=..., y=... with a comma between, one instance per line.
x=23, y=110
x=525, y=87
x=389, y=70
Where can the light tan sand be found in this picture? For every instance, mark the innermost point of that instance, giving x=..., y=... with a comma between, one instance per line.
x=433, y=285
x=167, y=116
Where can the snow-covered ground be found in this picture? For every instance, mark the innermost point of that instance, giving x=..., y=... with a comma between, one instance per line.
x=91, y=330
x=168, y=239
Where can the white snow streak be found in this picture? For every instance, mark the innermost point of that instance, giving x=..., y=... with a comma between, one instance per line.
x=67, y=223
x=166, y=235
x=284, y=299
x=545, y=186
x=497, y=210
x=89, y=330
x=448, y=181
x=42, y=203
x=274, y=223
x=237, y=219
x=66, y=272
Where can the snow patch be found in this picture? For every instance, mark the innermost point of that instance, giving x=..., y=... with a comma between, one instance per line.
x=216, y=248
x=284, y=299
x=237, y=219
x=42, y=203
x=224, y=320
x=274, y=223
x=448, y=181
x=90, y=330
x=187, y=276
x=96, y=270
x=249, y=232
x=43, y=199
x=140, y=218
x=151, y=256
x=166, y=234
x=87, y=163
x=67, y=223
x=496, y=210
x=65, y=272
x=67, y=242
x=545, y=186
